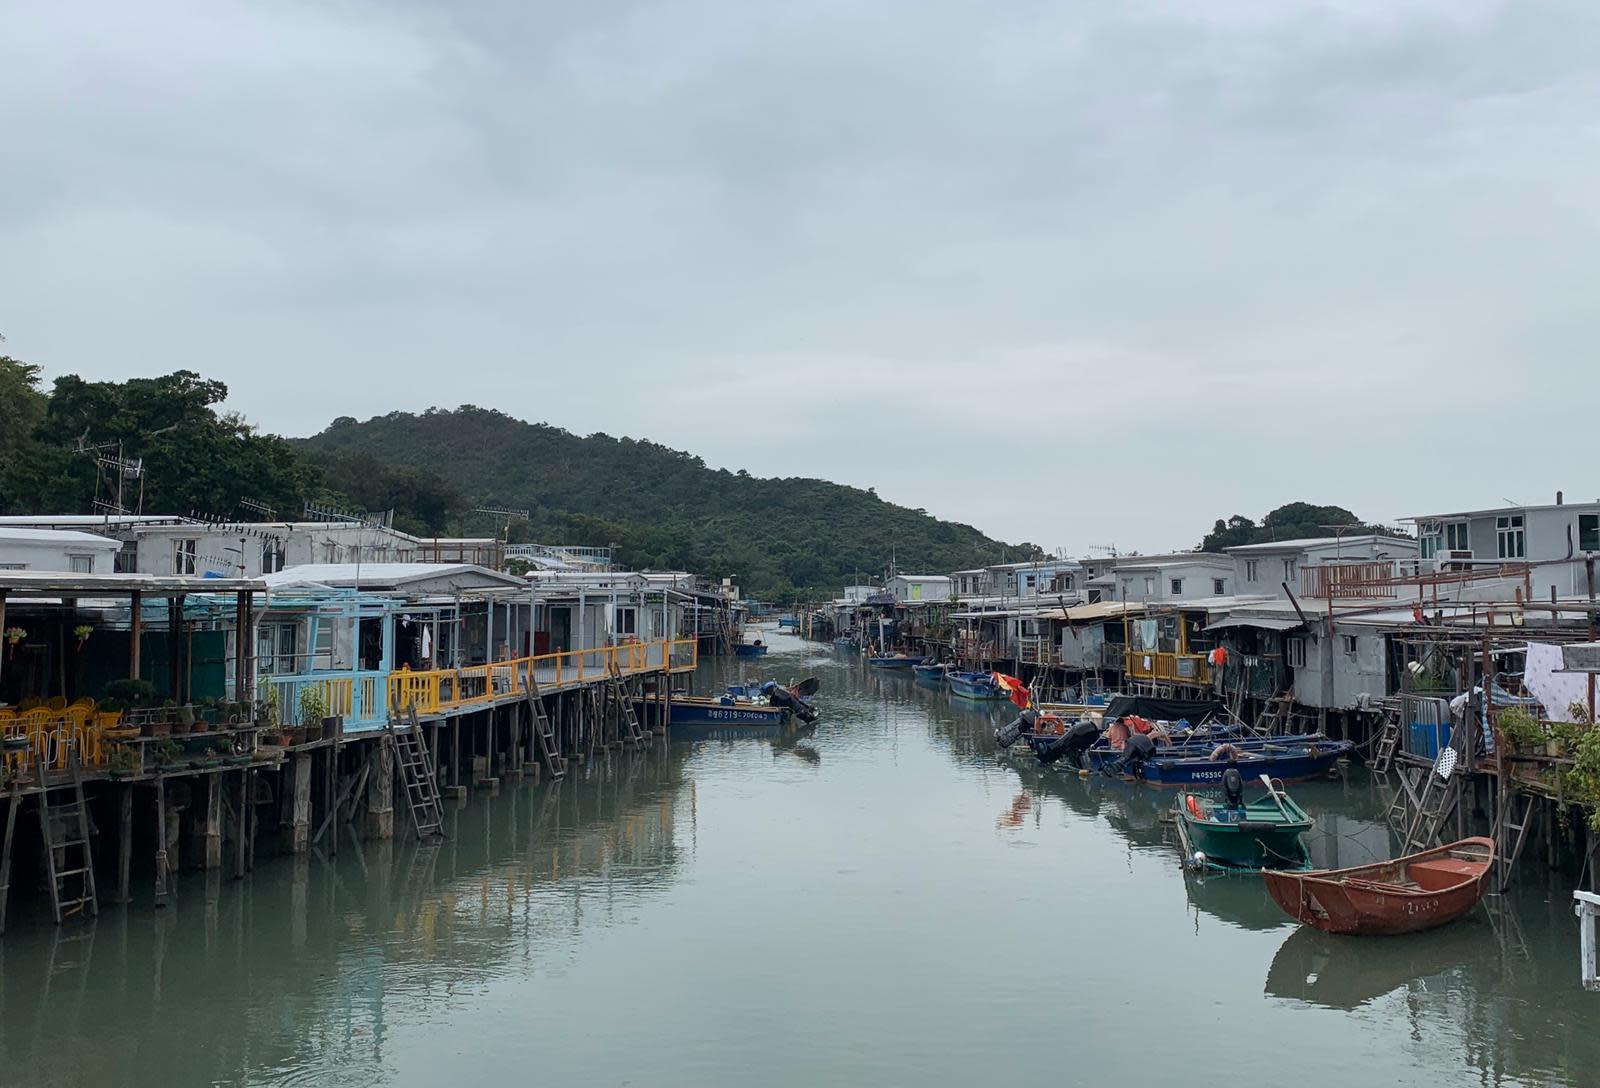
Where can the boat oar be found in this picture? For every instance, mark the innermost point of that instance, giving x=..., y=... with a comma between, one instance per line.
x=1267, y=782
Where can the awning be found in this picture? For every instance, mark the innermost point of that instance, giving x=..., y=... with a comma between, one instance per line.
x=1265, y=623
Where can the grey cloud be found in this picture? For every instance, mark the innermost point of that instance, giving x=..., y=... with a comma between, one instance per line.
x=1076, y=273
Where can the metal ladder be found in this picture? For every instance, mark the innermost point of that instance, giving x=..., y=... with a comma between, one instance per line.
x=416, y=773
x=617, y=689
x=1438, y=800
x=554, y=762
x=64, y=828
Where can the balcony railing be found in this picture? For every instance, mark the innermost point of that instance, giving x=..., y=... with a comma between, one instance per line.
x=1168, y=667
x=365, y=698
x=1038, y=650
x=1333, y=581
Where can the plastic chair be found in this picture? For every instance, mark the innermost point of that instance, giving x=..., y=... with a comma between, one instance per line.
x=56, y=702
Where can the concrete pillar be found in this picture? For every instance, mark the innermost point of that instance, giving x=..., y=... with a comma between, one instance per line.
x=380, y=795
x=300, y=791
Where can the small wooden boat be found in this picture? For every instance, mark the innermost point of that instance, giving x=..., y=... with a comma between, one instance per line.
x=1260, y=834
x=976, y=685
x=933, y=672
x=1418, y=891
x=894, y=661
x=749, y=649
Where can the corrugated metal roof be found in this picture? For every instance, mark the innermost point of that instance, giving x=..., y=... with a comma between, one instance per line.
x=48, y=583
x=64, y=537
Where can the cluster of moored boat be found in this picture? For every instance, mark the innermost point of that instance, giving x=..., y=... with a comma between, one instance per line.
x=1191, y=745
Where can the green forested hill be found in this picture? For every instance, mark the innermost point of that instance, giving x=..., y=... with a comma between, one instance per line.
x=664, y=507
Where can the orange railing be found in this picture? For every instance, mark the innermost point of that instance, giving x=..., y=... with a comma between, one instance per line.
x=439, y=690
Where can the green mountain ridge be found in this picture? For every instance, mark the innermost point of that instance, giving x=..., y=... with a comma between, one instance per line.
x=664, y=508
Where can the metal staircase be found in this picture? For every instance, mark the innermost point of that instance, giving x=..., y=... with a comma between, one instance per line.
x=416, y=774
x=64, y=827
x=544, y=735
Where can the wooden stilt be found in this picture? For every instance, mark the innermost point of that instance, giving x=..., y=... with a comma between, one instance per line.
x=13, y=803
x=161, y=841
x=125, y=843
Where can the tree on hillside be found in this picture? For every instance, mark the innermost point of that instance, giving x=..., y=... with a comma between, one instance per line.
x=1292, y=521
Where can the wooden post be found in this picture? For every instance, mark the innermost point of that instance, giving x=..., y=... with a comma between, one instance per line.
x=211, y=826
x=241, y=828
x=300, y=816
x=125, y=843
x=380, y=794
x=161, y=841
x=12, y=804
x=135, y=632
x=241, y=638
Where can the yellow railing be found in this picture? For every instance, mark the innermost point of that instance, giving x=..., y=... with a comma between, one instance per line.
x=439, y=690
x=1173, y=668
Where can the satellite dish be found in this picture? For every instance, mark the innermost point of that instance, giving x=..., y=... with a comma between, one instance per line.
x=1445, y=765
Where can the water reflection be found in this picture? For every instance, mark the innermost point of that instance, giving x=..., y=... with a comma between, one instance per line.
x=305, y=968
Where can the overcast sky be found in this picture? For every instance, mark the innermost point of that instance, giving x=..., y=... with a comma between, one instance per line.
x=1081, y=274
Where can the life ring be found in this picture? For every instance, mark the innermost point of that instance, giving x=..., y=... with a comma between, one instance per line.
x=1051, y=723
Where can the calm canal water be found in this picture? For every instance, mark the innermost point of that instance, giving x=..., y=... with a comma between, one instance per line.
x=884, y=902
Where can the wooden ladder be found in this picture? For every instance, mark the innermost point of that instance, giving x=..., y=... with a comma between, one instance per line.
x=1434, y=806
x=416, y=774
x=1516, y=816
x=554, y=762
x=1383, y=752
x=64, y=827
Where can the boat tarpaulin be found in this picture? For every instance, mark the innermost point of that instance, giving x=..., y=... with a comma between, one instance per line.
x=1197, y=711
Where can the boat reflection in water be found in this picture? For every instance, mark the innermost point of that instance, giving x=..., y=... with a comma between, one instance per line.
x=1329, y=970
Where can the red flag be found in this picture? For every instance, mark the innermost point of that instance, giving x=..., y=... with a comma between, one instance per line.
x=1015, y=689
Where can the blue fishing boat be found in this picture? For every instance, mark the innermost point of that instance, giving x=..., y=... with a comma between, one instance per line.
x=1288, y=759
x=894, y=661
x=750, y=649
x=787, y=621
x=748, y=707
x=933, y=672
x=976, y=685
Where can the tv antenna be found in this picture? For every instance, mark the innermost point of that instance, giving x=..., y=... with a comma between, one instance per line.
x=117, y=478
x=255, y=506
x=504, y=514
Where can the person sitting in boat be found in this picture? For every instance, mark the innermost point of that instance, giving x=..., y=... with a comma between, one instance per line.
x=1135, y=751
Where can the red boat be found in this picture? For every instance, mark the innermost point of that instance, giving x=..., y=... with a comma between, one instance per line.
x=1415, y=892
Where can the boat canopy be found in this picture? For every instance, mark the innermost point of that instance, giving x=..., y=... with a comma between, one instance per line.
x=1198, y=711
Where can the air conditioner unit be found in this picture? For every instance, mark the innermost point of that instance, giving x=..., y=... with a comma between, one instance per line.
x=1457, y=560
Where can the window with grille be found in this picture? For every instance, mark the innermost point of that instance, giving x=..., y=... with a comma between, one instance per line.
x=1218, y=587
x=1295, y=651
x=1252, y=570
x=80, y=564
x=1349, y=644
x=184, y=555
x=1177, y=586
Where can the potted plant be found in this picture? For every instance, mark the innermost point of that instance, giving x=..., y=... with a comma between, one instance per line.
x=1520, y=729
x=182, y=717
x=313, y=708
x=82, y=633
x=14, y=635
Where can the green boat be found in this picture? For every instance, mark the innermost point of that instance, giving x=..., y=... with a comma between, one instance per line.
x=1261, y=834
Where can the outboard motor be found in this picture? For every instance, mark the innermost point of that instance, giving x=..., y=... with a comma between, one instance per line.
x=782, y=696
x=1078, y=740
x=1048, y=747
x=1233, y=788
x=1007, y=734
